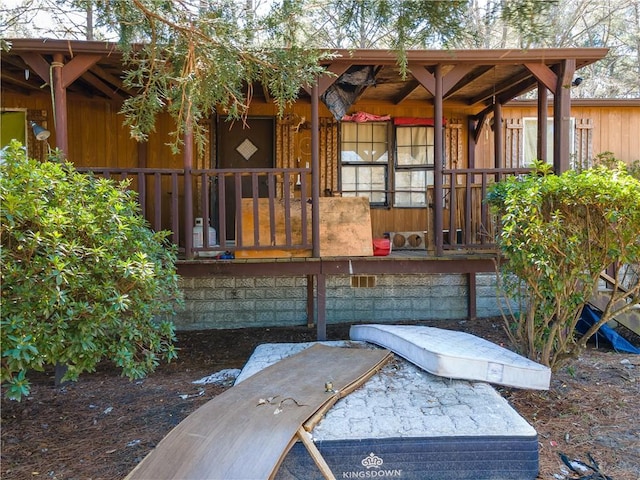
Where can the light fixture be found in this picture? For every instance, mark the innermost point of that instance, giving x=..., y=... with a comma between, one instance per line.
x=40, y=132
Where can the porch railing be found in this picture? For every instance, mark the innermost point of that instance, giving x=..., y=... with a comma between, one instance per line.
x=468, y=222
x=268, y=209
x=243, y=206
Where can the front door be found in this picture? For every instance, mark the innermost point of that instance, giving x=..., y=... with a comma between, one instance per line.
x=244, y=144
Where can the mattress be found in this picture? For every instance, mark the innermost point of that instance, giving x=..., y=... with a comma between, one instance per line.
x=406, y=423
x=453, y=354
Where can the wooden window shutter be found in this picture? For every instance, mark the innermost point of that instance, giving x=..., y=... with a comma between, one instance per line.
x=454, y=149
x=37, y=149
x=328, y=156
x=513, y=139
x=584, y=141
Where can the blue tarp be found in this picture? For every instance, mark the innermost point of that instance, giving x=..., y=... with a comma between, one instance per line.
x=590, y=317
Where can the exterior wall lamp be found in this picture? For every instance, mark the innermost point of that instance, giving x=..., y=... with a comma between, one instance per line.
x=40, y=132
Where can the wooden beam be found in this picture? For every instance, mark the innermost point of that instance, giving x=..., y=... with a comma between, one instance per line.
x=454, y=76
x=473, y=125
x=478, y=71
x=21, y=82
x=76, y=67
x=334, y=70
x=112, y=79
x=497, y=136
x=544, y=75
x=38, y=64
x=500, y=90
x=100, y=85
x=409, y=87
x=422, y=75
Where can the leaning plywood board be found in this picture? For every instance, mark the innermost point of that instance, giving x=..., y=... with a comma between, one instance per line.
x=453, y=354
x=246, y=432
x=345, y=227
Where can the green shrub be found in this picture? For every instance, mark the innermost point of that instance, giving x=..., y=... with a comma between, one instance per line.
x=558, y=233
x=83, y=276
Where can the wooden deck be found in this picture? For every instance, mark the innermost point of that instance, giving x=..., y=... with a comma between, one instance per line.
x=317, y=270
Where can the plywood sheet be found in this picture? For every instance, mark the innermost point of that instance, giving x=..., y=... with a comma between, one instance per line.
x=245, y=432
x=345, y=227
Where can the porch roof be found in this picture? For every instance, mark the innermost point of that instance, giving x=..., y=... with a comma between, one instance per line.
x=473, y=78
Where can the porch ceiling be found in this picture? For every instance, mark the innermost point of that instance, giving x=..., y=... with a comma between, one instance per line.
x=470, y=77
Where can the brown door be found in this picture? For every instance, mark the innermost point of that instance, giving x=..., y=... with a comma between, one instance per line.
x=247, y=144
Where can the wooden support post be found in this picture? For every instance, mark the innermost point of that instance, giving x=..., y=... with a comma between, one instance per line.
x=562, y=117
x=543, y=105
x=310, y=302
x=471, y=296
x=315, y=454
x=60, y=104
x=438, y=149
x=315, y=171
x=187, y=158
x=321, y=288
x=498, y=143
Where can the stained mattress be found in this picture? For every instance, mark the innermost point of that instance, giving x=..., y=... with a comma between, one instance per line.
x=407, y=423
x=454, y=354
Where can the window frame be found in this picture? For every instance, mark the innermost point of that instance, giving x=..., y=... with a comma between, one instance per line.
x=428, y=167
x=526, y=140
x=360, y=166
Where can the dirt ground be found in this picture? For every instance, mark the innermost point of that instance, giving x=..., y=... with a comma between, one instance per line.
x=102, y=425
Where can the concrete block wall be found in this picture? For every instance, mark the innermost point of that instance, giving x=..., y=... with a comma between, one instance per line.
x=238, y=302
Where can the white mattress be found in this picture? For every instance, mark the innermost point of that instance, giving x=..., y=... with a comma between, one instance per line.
x=452, y=354
x=415, y=425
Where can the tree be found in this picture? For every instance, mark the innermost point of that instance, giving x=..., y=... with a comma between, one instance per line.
x=83, y=276
x=194, y=58
x=558, y=234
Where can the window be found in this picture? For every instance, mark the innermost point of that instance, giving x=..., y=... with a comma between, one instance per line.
x=530, y=143
x=13, y=126
x=414, y=165
x=365, y=159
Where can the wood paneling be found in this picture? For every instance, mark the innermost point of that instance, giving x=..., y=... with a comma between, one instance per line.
x=97, y=138
x=613, y=129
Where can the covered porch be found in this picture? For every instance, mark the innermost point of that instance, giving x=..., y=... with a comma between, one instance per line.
x=268, y=232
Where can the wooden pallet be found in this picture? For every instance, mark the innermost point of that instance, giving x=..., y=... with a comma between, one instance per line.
x=629, y=319
x=246, y=432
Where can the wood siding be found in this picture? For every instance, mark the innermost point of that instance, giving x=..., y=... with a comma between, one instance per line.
x=98, y=138
x=599, y=128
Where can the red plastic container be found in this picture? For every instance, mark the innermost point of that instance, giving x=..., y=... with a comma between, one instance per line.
x=381, y=247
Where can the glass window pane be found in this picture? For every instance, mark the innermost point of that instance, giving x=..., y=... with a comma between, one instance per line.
x=419, y=136
x=530, y=144
x=403, y=136
x=349, y=132
x=414, y=145
x=379, y=153
x=379, y=132
x=365, y=181
x=411, y=187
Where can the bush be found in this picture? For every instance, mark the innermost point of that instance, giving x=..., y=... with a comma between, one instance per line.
x=83, y=276
x=558, y=233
